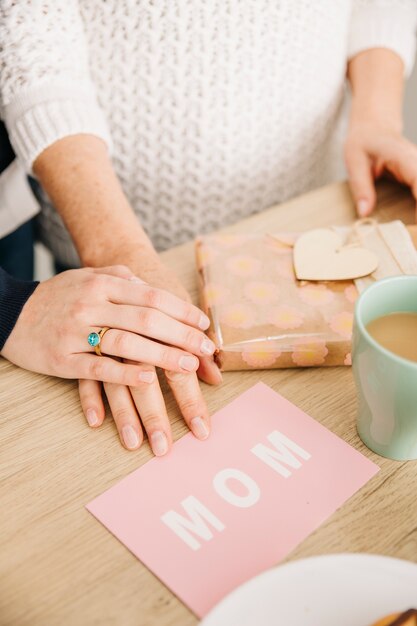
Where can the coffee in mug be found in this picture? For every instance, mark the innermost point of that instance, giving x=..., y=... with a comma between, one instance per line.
x=396, y=332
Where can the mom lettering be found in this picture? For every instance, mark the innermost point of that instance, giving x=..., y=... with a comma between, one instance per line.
x=199, y=522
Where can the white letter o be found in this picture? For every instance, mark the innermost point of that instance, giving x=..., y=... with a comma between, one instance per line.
x=244, y=502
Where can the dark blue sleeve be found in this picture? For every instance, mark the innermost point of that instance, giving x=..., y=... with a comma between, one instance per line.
x=13, y=295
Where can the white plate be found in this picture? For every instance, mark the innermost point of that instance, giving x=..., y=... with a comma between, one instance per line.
x=334, y=590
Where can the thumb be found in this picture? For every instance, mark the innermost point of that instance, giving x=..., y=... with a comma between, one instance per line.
x=361, y=181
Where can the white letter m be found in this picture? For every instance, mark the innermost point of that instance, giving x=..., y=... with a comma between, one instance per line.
x=281, y=454
x=195, y=523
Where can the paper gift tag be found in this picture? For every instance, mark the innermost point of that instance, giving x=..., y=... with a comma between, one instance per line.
x=321, y=255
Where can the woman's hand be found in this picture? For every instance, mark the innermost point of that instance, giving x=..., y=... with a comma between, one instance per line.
x=371, y=150
x=148, y=327
x=142, y=407
x=375, y=143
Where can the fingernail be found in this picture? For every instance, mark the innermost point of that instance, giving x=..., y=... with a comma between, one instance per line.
x=147, y=377
x=189, y=363
x=130, y=437
x=159, y=443
x=92, y=417
x=199, y=428
x=207, y=347
x=363, y=207
x=204, y=322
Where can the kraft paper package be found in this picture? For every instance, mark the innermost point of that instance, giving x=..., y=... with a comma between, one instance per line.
x=263, y=317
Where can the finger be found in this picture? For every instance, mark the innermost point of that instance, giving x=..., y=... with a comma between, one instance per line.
x=156, y=325
x=134, y=347
x=359, y=167
x=93, y=367
x=209, y=371
x=150, y=404
x=139, y=294
x=191, y=403
x=125, y=415
x=401, y=161
x=91, y=402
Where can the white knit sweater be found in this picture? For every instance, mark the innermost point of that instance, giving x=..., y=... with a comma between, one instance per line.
x=214, y=109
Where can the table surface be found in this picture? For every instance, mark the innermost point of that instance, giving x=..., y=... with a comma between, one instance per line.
x=60, y=566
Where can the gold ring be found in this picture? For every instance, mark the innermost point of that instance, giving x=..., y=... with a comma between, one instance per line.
x=101, y=334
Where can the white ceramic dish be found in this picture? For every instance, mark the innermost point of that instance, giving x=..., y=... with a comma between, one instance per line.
x=334, y=590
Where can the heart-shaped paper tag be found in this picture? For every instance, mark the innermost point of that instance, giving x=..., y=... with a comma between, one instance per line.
x=320, y=255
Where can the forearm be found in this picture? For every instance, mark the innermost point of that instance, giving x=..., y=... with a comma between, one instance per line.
x=376, y=77
x=78, y=176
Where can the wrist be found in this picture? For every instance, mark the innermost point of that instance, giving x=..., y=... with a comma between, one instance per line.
x=122, y=250
x=368, y=114
x=376, y=79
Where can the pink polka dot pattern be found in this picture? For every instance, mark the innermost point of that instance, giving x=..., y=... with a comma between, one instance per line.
x=238, y=316
x=310, y=352
x=285, y=317
x=261, y=292
x=243, y=265
x=215, y=293
x=261, y=357
x=342, y=324
x=351, y=293
x=316, y=295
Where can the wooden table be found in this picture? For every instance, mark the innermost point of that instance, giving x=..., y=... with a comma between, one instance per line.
x=60, y=567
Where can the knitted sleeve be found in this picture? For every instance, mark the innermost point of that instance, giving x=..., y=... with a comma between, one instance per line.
x=384, y=24
x=45, y=88
x=13, y=296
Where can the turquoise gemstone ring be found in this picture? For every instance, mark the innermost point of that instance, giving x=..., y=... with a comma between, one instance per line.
x=94, y=339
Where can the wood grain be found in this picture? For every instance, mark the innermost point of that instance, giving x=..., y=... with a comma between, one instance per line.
x=59, y=566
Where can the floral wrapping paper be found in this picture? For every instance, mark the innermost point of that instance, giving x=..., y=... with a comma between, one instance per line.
x=261, y=316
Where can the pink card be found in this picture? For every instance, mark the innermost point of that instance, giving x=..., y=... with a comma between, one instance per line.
x=213, y=514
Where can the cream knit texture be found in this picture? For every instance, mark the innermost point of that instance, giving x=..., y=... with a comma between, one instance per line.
x=213, y=110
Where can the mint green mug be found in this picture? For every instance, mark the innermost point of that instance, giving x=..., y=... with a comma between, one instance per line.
x=386, y=383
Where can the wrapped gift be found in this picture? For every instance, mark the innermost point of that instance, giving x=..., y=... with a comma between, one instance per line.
x=263, y=316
